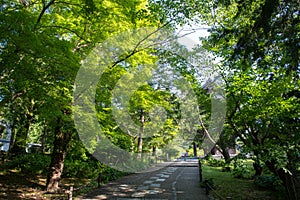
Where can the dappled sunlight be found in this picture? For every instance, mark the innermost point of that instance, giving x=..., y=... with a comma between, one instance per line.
x=16, y=186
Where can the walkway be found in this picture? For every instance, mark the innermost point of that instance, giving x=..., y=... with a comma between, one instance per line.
x=176, y=181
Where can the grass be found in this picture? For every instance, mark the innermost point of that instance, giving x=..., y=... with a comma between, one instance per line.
x=228, y=186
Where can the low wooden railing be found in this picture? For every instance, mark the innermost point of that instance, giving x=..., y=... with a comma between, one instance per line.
x=208, y=188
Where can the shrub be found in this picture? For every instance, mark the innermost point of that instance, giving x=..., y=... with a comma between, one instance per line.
x=210, y=161
x=80, y=169
x=89, y=168
x=109, y=174
x=269, y=182
x=241, y=169
x=30, y=163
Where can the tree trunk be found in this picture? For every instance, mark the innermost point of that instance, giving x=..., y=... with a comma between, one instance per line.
x=140, y=145
x=214, y=150
x=140, y=138
x=225, y=154
x=12, y=136
x=20, y=143
x=290, y=184
x=258, y=169
x=195, y=149
x=154, y=151
x=2, y=128
x=44, y=139
x=61, y=143
x=56, y=168
x=19, y=146
x=256, y=165
x=289, y=181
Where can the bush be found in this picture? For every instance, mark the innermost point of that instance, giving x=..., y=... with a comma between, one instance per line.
x=80, y=168
x=89, y=168
x=109, y=174
x=210, y=161
x=241, y=169
x=30, y=163
x=269, y=182
x=81, y=164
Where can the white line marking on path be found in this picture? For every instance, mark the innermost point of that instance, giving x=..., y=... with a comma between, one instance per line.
x=174, y=192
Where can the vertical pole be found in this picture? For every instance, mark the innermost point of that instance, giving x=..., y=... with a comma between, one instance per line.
x=206, y=187
x=200, y=170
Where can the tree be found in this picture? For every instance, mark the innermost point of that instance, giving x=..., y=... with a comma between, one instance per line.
x=258, y=43
x=42, y=46
x=90, y=34
x=47, y=40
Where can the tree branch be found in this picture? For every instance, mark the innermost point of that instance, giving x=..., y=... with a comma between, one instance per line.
x=204, y=128
x=45, y=7
x=68, y=29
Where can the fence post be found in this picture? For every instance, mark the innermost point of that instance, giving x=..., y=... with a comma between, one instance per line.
x=206, y=187
x=70, y=193
x=99, y=179
x=200, y=170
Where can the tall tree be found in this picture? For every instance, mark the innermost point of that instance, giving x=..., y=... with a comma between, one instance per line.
x=41, y=48
x=259, y=44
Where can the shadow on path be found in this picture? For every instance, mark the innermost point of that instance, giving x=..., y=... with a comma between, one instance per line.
x=176, y=181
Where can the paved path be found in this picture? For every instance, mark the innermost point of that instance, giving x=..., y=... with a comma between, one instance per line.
x=175, y=181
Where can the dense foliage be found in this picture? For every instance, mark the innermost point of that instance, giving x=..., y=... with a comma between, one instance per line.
x=258, y=42
x=255, y=47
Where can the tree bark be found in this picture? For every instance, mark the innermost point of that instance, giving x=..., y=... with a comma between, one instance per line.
x=195, y=149
x=289, y=180
x=154, y=151
x=225, y=154
x=12, y=136
x=2, y=128
x=214, y=150
x=290, y=184
x=61, y=143
x=140, y=145
x=256, y=165
x=44, y=139
x=258, y=169
x=140, y=138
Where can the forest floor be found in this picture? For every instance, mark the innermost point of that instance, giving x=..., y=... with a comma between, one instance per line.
x=16, y=185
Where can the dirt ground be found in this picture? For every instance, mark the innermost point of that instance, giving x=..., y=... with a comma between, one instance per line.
x=15, y=185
